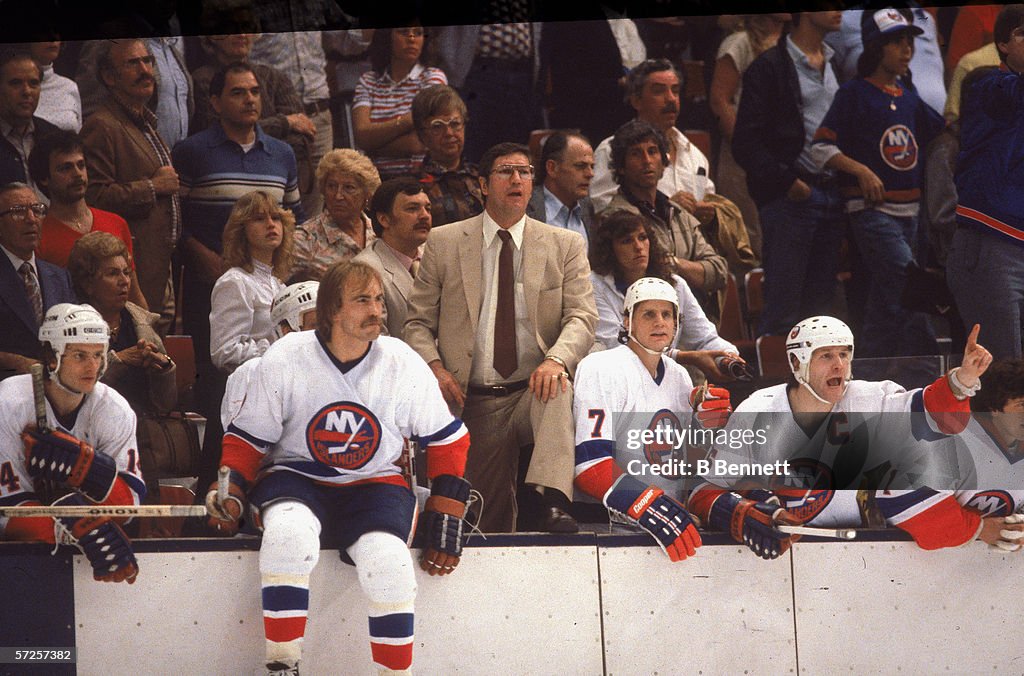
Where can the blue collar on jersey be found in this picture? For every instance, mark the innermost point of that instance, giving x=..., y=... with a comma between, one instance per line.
x=343, y=366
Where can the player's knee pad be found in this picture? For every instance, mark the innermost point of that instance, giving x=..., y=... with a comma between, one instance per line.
x=291, y=539
x=385, y=568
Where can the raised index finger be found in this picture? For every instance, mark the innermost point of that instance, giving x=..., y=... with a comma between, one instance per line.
x=972, y=340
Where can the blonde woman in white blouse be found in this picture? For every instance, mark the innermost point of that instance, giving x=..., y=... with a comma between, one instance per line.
x=258, y=244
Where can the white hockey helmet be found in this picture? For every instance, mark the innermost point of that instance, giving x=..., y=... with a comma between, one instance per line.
x=647, y=288
x=67, y=323
x=808, y=336
x=291, y=303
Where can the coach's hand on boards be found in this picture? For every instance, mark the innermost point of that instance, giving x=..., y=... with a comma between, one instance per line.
x=443, y=524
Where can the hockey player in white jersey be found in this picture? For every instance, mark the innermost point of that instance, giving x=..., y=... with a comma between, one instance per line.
x=843, y=440
x=85, y=454
x=634, y=389
x=313, y=449
x=293, y=309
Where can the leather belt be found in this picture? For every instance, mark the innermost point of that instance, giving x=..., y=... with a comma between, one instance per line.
x=498, y=390
x=825, y=180
x=318, y=106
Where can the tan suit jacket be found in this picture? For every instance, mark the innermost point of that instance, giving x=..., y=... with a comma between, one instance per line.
x=120, y=161
x=397, y=284
x=446, y=296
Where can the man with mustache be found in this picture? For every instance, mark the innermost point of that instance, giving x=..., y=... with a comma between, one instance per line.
x=130, y=168
x=20, y=129
x=653, y=92
x=57, y=165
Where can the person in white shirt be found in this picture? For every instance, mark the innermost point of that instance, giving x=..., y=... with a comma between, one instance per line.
x=60, y=103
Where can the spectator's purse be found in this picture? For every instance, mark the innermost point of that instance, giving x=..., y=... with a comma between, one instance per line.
x=168, y=446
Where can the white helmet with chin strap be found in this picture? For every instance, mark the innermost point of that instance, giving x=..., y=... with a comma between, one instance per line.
x=67, y=323
x=647, y=288
x=808, y=336
x=293, y=302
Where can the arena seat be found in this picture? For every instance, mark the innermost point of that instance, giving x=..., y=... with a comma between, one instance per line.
x=753, y=289
x=771, y=357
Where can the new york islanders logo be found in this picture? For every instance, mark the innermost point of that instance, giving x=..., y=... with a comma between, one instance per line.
x=898, y=147
x=666, y=427
x=992, y=503
x=344, y=435
x=806, y=490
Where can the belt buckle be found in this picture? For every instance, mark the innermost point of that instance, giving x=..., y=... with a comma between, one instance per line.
x=499, y=391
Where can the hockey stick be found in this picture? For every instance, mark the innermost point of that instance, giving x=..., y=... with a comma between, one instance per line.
x=223, y=476
x=105, y=510
x=838, y=533
x=39, y=397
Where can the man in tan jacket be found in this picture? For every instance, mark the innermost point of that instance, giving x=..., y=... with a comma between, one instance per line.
x=502, y=310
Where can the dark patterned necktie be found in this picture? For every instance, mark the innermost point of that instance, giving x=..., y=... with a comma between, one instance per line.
x=505, y=358
x=35, y=295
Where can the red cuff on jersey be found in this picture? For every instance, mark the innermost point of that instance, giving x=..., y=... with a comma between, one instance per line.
x=241, y=456
x=950, y=414
x=597, y=479
x=946, y=524
x=448, y=458
x=701, y=500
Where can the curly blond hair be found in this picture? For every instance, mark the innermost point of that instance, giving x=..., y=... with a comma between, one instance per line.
x=236, y=245
x=348, y=161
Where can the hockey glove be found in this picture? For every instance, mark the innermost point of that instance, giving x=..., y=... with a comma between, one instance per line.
x=63, y=459
x=658, y=514
x=751, y=523
x=711, y=406
x=225, y=517
x=443, y=519
x=101, y=540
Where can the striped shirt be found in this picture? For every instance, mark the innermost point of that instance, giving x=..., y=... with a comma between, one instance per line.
x=388, y=99
x=214, y=172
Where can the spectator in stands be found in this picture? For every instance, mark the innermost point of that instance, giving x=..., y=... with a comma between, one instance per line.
x=872, y=134
x=985, y=268
x=130, y=170
x=57, y=165
x=281, y=113
x=786, y=93
x=972, y=29
x=382, y=108
x=258, y=243
x=624, y=249
x=217, y=167
x=735, y=54
x=20, y=128
x=300, y=56
x=987, y=55
x=60, y=103
x=137, y=365
x=653, y=92
x=451, y=183
x=347, y=180
x=28, y=285
x=927, y=64
x=493, y=62
x=566, y=169
x=639, y=156
x=401, y=221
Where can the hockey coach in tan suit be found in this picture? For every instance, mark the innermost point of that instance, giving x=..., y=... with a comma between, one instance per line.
x=502, y=310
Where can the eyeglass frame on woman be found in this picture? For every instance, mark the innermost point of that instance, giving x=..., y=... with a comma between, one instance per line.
x=20, y=211
x=438, y=126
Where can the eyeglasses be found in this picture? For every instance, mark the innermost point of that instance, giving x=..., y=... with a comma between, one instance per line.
x=409, y=32
x=1017, y=34
x=525, y=171
x=20, y=212
x=437, y=127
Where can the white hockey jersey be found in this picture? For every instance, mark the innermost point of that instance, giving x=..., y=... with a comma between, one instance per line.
x=308, y=416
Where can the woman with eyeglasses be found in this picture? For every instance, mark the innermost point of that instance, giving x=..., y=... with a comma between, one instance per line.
x=381, y=111
x=347, y=180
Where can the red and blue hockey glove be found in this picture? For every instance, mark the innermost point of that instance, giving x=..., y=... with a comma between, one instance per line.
x=61, y=458
x=751, y=523
x=658, y=514
x=711, y=406
x=101, y=540
x=442, y=523
x=225, y=517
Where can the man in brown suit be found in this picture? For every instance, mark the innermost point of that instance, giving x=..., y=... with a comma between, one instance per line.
x=502, y=310
x=130, y=170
